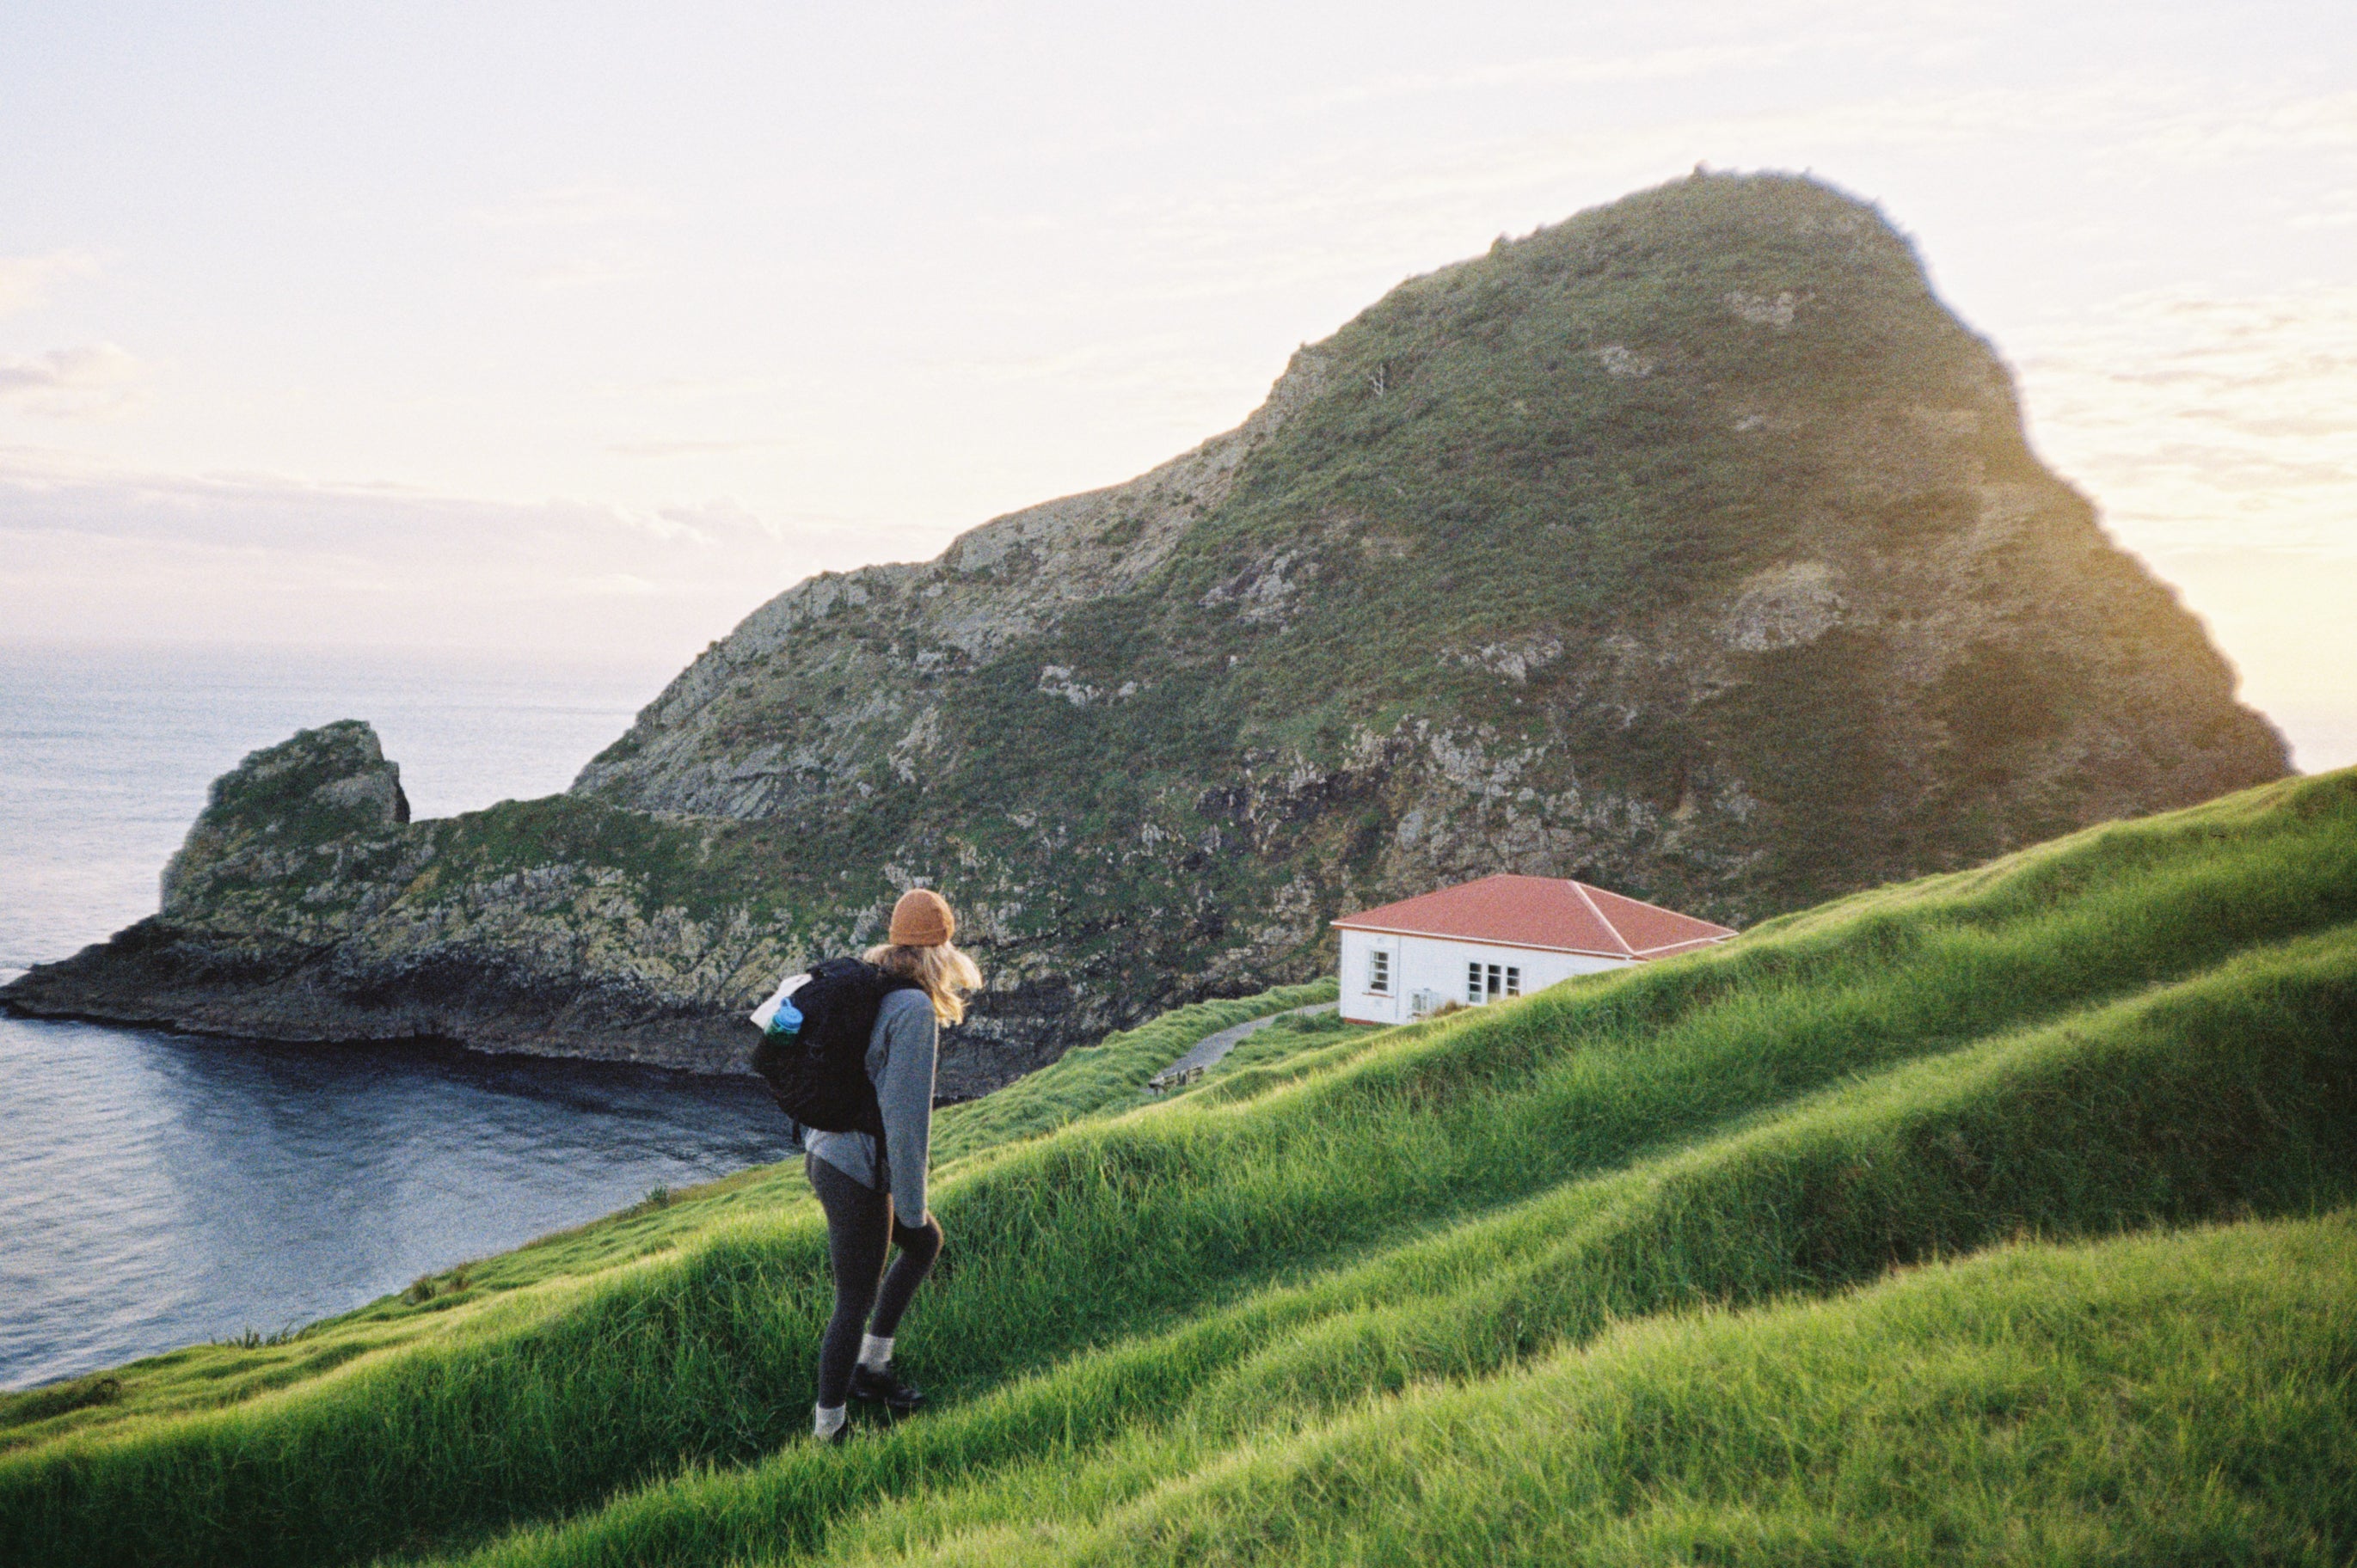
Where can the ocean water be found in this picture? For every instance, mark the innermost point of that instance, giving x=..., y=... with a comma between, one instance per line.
x=106, y=753
x=158, y=1190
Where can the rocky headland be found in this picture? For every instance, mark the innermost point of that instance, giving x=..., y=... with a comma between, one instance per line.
x=1690, y=546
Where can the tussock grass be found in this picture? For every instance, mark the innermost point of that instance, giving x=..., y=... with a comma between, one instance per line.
x=2147, y=1024
x=2174, y=1106
x=2185, y=1398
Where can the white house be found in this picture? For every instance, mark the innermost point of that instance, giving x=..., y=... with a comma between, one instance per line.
x=1499, y=935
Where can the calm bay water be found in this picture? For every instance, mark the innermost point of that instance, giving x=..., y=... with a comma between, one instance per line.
x=157, y=1189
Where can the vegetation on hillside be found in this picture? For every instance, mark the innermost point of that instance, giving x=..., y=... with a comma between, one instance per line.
x=1689, y=546
x=1295, y=1314
x=1513, y=521
x=2177, y=1399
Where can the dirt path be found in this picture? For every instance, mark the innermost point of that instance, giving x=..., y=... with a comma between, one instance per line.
x=1211, y=1047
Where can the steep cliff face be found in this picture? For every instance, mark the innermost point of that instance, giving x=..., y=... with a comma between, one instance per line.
x=1690, y=547
x=321, y=811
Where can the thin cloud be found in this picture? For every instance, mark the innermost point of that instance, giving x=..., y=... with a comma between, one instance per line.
x=1560, y=70
x=2208, y=135
x=689, y=387
x=2206, y=422
x=89, y=382
x=586, y=272
x=25, y=280
x=574, y=207
x=690, y=448
x=90, y=549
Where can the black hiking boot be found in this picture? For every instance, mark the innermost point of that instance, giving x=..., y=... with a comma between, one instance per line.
x=884, y=1389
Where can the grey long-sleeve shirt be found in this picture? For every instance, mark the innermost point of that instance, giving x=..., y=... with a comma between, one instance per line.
x=901, y=1051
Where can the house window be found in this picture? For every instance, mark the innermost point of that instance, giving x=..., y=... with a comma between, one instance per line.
x=1379, y=972
x=1488, y=982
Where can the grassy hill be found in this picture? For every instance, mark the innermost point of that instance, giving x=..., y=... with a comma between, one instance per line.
x=2004, y=1212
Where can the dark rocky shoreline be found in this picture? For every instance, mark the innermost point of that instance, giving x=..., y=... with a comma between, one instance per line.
x=153, y=976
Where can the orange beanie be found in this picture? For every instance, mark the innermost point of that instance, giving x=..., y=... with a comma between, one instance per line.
x=921, y=919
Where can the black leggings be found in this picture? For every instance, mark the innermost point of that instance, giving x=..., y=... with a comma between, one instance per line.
x=860, y=1220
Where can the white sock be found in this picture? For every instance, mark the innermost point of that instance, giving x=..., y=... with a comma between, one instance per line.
x=875, y=1354
x=828, y=1421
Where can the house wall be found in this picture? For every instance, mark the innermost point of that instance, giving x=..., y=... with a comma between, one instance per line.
x=1437, y=965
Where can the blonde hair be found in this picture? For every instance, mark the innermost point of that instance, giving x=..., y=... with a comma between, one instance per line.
x=945, y=974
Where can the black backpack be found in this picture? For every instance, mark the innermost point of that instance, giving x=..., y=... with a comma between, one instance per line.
x=818, y=1073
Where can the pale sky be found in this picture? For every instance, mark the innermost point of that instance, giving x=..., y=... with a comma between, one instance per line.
x=588, y=328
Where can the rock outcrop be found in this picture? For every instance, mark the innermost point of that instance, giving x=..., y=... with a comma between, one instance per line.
x=1690, y=547
x=306, y=906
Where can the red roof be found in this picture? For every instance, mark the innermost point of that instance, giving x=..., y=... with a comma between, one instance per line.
x=1551, y=912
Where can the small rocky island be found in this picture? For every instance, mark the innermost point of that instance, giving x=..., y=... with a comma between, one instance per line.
x=1690, y=547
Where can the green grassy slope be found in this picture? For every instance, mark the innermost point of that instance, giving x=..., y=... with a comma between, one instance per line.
x=2185, y=1398
x=1939, y=1158
x=2149, y=1024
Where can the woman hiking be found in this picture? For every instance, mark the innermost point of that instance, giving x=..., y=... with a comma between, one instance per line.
x=874, y=1194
